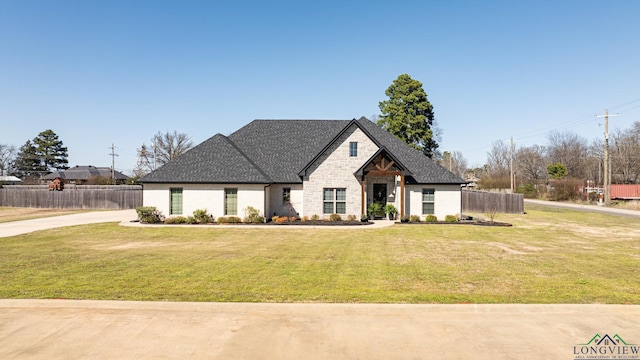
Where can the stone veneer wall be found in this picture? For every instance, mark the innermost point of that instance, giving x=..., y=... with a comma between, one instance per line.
x=334, y=169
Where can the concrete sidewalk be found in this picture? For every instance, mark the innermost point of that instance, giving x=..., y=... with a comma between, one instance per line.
x=66, y=329
x=26, y=226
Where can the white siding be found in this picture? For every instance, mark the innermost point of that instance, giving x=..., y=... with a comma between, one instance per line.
x=448, y=200
x=295, y=206
x=334, y=169
x=204, y=196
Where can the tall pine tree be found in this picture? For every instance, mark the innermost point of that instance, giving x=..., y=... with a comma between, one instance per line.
x=51, y=151
x=408, y=114
x=28, y=163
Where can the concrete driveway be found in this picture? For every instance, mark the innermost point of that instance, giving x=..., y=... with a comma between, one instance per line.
x=26, y=226
x=71, y=329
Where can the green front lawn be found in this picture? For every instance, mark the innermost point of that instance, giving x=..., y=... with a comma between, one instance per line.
x=548, y=256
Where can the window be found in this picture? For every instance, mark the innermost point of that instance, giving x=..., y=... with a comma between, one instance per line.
x=428, y=201
x=231, y=201
x=286, y=195
x=334, y=201
x=175, y=201
x=353, y=149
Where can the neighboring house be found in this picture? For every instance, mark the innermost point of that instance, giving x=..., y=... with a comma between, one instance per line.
x=81, y=174
x=9, y=180
x=303, y=168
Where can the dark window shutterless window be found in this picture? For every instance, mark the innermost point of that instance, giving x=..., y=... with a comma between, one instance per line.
x=428, y=201
x=175, y=201
x=231, y=201
x=334, y=201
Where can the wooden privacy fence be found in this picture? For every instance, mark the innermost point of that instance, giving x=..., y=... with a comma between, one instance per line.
x=492, y=202
x=73, y=197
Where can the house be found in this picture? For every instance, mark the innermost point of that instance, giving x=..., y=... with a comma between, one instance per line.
x=82, y=174
x=303, y=168
x=9, y=180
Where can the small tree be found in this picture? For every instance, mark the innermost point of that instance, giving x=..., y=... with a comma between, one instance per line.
x=557, y=171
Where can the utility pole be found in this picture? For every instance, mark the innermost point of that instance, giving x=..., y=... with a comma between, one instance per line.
x=607, y=159
x=511, y=166
x=113, y=163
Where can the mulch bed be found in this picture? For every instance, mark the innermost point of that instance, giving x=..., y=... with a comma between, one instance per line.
x=474, y=222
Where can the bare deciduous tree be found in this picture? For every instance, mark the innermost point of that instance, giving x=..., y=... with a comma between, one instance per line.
x=625, y=155
x=454, y=162
x=531, y=164
x=165, y=147
x=571, y=150
x=7, y=157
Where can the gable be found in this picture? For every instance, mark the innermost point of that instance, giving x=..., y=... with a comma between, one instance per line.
x=335, y=157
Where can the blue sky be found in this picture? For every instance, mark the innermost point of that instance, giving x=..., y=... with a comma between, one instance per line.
x=118, y=72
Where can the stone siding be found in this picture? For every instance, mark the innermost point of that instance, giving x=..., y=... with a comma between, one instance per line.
x=334, y=169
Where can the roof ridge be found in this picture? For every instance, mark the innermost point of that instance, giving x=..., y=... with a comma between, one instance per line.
x=247, y=157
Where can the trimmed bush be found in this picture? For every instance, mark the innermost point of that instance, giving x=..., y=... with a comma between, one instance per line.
x=201, y=216
x=352, y=218
x=229, y=220
x=451, y=219
x=335, y=217
x=414, y=218
x=149, y=215
x=304, y=218
x=281, y=219
x=315, y=217
x=252, y=215
x=431, y=218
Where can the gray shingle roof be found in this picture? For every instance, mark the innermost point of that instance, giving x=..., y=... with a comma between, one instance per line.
x=84, y=173
x=423, y=169
x=276, y=151
x=216, y=160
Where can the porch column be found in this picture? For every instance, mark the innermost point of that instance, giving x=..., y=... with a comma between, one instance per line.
x=362, y=197
x=401, y=195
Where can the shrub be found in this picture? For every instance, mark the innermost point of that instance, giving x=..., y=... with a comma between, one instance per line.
x=405, y=218
x=315, y=217
x=352, y=218
x=274, y=218
x=281, y=219
x=390, y=209
x=431, y=218
x=562, y=190
x=201, y=216
x=335, y=217
x=252, y=215
x=176, y=220
x=293, y=218
x=414, y=218
x=229, y=220
x=374, y=208
x=528, y=189
x=149, y=215
x=451, y=219
x=304, y=218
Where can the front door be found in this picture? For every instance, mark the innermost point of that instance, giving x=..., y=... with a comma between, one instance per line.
x=380, y=197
